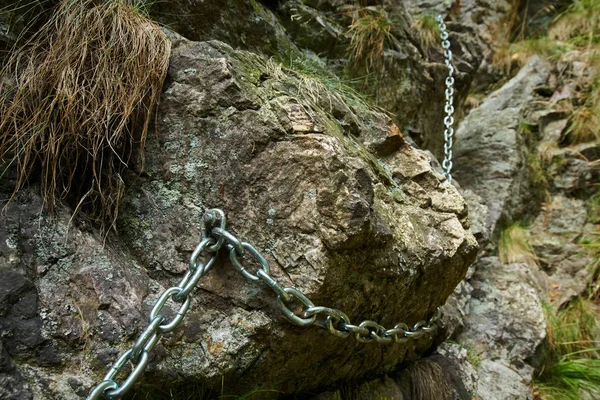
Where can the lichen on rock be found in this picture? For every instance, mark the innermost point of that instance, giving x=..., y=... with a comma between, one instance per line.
x=350, y=214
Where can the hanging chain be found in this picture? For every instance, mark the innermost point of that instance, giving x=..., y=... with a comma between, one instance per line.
x=295, y=306
x=449, y=108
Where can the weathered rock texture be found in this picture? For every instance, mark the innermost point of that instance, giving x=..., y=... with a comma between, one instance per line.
x=414, y=74
x=331, y=192
x=556, y=236
x=245, y=24
x=441, y=377
x=514, y=163
x=491, y=152
x=351, y=215
x=506, y=322
x=483, y=20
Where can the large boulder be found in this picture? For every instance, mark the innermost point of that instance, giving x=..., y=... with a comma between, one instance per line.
x=340, y=205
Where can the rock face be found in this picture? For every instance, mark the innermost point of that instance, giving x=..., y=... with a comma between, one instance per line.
x=350, y=214
x=414, y=74
x=514, y=145
x=482, y=20
x=491, y=152
x=496, y=315
x=506, y=320
x=249, y=25
x=555, y=237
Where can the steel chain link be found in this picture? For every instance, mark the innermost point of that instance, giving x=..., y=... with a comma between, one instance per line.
x=213, y=239
x=215, y=236
x=449, y=107
x=138, y=355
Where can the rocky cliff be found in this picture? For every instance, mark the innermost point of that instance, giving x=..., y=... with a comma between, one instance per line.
x=340, y=190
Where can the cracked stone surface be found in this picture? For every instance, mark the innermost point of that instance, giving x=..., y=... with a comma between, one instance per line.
x=490, y=152
x=355, y=218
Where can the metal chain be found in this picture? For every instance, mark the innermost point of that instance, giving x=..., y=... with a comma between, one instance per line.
x=158, y=325
x=305, y=313
x=449, y=108
x=214, y=237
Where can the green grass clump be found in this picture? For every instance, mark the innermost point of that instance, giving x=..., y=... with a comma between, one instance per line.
x=593, y=207
x=321, y=93
x=537, y=176
x=428, y=31
x=544, y=46
x=514, y=246
x=580, y=20
x=316, y=80
x=572, y=330
x=569, y=379
x=572, y=362
x=370, y=33
x=594, y=248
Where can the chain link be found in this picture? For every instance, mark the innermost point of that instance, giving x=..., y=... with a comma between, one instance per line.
x=294, y=305
x=158, y=325
x=449, y=107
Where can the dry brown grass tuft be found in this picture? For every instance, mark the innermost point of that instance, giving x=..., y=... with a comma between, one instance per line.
x=86, y=85
x=370, y=33
x=427, y=30
x=584, y=125
x=582, y=18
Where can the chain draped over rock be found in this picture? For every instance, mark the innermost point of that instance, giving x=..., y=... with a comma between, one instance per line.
x=215, y=237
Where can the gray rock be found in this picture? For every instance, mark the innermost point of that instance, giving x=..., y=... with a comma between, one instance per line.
x=553, y=130
x=490, y=154
x=499, y=322
x=461, y=367
x=480, y=20
x=575, y=169
x=410, y=82
x=242, y=24
x=456, y=309
x=500, y=382
x=555, y=236
x=12, y=384
x=506, y=321
x=478, y=216
x=333, y=219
